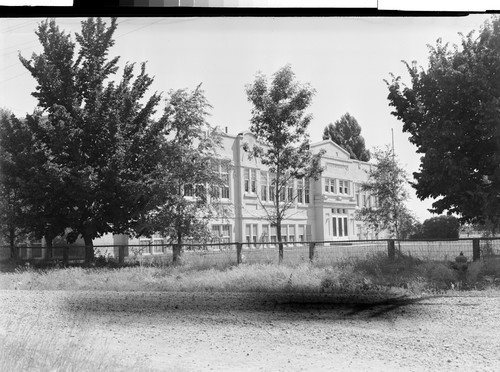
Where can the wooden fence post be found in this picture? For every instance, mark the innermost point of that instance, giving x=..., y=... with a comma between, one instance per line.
x=312, y=246
x=391, y=249
x=121, y=254
x=65, y=255
x=476, y=250
x=238, y=253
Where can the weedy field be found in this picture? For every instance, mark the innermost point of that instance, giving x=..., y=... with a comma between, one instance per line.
x=156, y=316
x=404, y=274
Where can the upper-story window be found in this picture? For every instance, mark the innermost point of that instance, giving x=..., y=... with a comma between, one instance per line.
x=306, y=191
x=222, y=168
x=330, y=185
x=344, y=187
x=250, y=180
x=188, y=190
x=303, y=191
x=264, y=186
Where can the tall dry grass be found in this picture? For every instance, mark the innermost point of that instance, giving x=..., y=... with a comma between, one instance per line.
x=374, y=273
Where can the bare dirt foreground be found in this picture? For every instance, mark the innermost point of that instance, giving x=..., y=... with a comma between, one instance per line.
x=172, y=331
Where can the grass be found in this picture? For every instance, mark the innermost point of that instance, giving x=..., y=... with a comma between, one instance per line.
x=375, y=273
x=27, y=346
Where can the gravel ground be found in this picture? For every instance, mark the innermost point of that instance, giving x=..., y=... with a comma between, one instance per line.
x=172, y=331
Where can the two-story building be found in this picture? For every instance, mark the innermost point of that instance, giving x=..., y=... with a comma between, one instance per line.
x=322, y=210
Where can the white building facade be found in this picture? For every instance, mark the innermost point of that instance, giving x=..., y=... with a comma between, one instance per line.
x=322, y=210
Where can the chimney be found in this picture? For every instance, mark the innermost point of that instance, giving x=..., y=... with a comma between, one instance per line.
x=226, y=130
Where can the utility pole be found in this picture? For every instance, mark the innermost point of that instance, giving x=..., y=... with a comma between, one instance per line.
x=392, y=133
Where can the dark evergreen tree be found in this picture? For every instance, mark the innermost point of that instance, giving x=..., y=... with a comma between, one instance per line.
x=346, y=132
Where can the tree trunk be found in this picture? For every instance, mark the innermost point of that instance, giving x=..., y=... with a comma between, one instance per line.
x=89, y=249
x=176, y=250
x=48, y=247
x=280, y=243
x=12, y=241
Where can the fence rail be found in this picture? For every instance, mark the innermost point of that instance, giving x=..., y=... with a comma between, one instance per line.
x=267, y=252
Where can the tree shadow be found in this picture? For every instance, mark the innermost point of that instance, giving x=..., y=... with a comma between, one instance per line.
x=275, y=304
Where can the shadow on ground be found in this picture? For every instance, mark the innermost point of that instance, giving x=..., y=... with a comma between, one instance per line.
x=345, y=305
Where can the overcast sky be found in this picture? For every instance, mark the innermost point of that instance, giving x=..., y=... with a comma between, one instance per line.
x=344, y=59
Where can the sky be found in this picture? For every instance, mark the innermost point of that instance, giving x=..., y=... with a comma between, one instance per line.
x=345, y=59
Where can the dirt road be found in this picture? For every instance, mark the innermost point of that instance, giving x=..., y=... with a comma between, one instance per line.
x=262, y=332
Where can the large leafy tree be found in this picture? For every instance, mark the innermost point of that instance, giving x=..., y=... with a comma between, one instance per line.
x=452, y=112
x=387, y=182
x=346, y=132
x=98, y=138
x=28, y=183
x=188, y=188
x=440, y=227
x=280, y=126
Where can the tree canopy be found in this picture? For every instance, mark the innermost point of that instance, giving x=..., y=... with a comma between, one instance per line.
x=187, y=192
x=440, y=227
x=387, y=182
x=280, y=124
x=346, y=132
x=96, y=140
x=452, y=112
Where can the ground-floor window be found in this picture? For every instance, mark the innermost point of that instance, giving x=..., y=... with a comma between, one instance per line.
x=251, y=233
x=340, y=227
x=221, y=233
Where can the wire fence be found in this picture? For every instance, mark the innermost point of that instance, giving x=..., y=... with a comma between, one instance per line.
x=323, y=252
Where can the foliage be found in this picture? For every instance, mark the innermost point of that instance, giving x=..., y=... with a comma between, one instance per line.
x=451, y=111
x=440, y=227
x=190, y=177
x=346, y=132
x=387, y=184
x=280, y=127
x=96, y=140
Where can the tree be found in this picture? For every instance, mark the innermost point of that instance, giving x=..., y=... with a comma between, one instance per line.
x=188, y=189
x=280, y=127
x=451, y=111
x=99, y=139
x=27, y=182
x=387, y=184
x=346, y=132
x=440, y=227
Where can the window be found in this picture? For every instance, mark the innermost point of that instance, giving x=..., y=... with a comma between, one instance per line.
x=284, y=233
x=306, y=191
x=263, y=186
x=251, y=234
x=301, y=231
x=250, y=180
x=265, y=233
x=247, y=180
x=356, y=191
x=273, y=234
x=339, y=222
x=158, y=243
x=329, y=185
x=300, y=191
x=221, y=233
x=200, y=190
x=282, y=193
x=308, y=233
x=224, y=175
x=291, y=233
x=221, y=167
x=289, y=186
x=188, y=190
x=344, y=187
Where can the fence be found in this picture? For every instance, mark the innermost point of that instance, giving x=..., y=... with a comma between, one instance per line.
x=327, y=252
